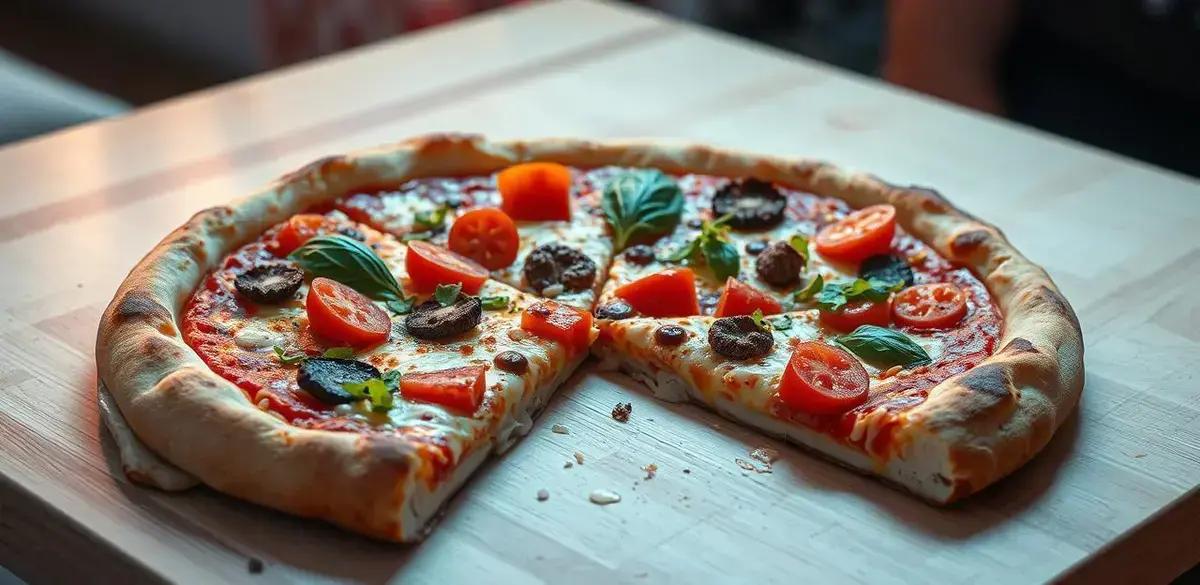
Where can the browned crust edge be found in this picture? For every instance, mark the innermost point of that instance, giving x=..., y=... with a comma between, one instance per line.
x=988, y=421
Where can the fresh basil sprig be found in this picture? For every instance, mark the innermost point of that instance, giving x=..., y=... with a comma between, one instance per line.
x=641, y=202
x=810, y=290
x=883, y=347
x=713, y=247
x=351, y=263
x=836, y=295
x=799, y=243
x=447, y=294
x=401, y=307
x=426, y=221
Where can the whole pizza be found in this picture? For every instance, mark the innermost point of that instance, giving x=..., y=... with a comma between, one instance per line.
x=353, y=341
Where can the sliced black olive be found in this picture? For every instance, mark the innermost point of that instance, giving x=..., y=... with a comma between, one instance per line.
x=615, y=310
x=756, y=247
x=640, y=255
x=511, y=361
x=779, y=265
x=754, y=204
x=430, y=320
x=670, y=335
x=352, y=233
x=888, y=268
x=739, y=338
x=323, y=378
x=270, y=283
x=551, y=264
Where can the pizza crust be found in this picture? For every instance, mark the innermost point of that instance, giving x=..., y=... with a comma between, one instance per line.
x=982, y=424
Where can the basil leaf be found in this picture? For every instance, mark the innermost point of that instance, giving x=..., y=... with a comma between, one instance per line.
x=426, y=221
x=341, y=353
x=446, y=294
x=722, y=257
x=410, y=236
x=375, y=390
x=494, y=303
x=683, y=252
x=810, y=290
x=836, y=295
x=757, y=317
x=400, y=307
x=799, y=243
x=288, y=360
x=349, y=262
x=392, y=379
x=781, y=323
x=641, y=202
x=883, y=347
x=887, y=268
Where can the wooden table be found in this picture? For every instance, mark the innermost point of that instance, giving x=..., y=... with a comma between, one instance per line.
x=1113, y=498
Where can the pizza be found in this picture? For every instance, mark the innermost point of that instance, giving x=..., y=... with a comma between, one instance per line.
x=353, y=341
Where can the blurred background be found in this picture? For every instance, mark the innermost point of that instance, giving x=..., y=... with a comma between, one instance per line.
x=1123, y=75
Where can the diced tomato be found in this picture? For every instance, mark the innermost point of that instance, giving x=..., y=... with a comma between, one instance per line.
x=342, y=314
x=930, y=306
x=487, y=236
x=667, y=293
x=822, y=379
x=536, y=191
x=566, y=325
x=429, y=265
x=849, y=317
x=459, y=389
x=739, y=298
x=861, y=234
x=298, y=230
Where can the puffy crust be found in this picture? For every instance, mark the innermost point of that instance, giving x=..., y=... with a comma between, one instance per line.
x=987, y=421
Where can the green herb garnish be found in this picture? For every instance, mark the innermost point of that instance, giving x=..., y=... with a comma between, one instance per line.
x=447, y=294
x=351, y=263
x=883, y=347
x=377, y=391
x=836, y=295
x=810, y=290
x=410, y=236
x=288, y=360
x=341, y=353
x=799, y=243
x=781, y=323
x=641, y=202
x=400, y=307
x=427, y=221
x=494, y=303
x=713, y=248
x=757, y=316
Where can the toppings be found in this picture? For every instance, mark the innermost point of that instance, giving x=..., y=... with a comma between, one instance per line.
x=621, y=411
x=487, y=236
x=640, y=255
x=511, y=362
x=566, y=325
x=298, y=230
x=846, y=305
x=822, y=379
x=930, y=306
x=884, y=348
x=615, y=310
x=339, y=313
x=429, y=265
x=751, y=203
x=848, y=317
x=642, y=203
x=668, y=293
x=351, y=263
x=887, y=268
x=670, y=335
x=270, y=283
x=739, y=338
x=535, y=191
x=779, y=264
x=435, y=319
x=861, y=234
x=755, y=247
x=459, y=389
x=739, y=298
x=430, y=221
x=555, y=264
x=324, y=377
x=712, y=247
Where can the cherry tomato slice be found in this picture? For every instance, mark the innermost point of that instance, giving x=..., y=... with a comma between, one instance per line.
x=536, y=191
x=822, y=379
x=930, y=306
x=487, y=236
x=861, y=234
x=566, y=325
x=459, y=389
x=342, y=314
x=849, y=317
x=429, y=265
x=298, y=230
x=739, y=298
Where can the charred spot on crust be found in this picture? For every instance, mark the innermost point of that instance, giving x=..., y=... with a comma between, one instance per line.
x=966, y=242
x=989, y=380
x=139, y=305
x=1061, y=306
x=315, y=168
x=389, y=449
x=1019, y=345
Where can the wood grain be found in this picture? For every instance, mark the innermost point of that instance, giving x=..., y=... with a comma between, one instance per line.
x=1113, y=498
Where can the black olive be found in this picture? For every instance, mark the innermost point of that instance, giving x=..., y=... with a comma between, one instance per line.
x=739, y=338
x=270, y=283
x=670, y=335
x=323, y=377
x=779, y=265
x=756, y=247
x=511, y=361
x=430, y=320
x=352, y=233
x=615, y=310
x=754, y=204
x=640, y=255
x=551, y=264
x=887, y=268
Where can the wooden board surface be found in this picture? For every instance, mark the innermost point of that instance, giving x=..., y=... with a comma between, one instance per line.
x=1113, y=498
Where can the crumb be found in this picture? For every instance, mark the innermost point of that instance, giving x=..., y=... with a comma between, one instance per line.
x=543, y=495
x=766, y=455
x=560, y=429
x=568, y=465
x=604, y=497
x=255, y=566
x=621, y=412
x=1139, y=455
x=748, y=466
x=650, y=470
x=686, y=470
x=579, y=457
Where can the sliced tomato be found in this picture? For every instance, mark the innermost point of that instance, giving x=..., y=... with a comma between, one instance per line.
x=739, y=298
x=298, y=229
x=536, y=191
x=341, y=314
x=487, y=236
x=864, y=233
x=459, y=389
x=822, y=379
x=667, y=293
x=930, y=306
x=429, y=265
x=849, y=317
x=566, y=325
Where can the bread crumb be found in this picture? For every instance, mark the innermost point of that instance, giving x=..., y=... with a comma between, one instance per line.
x=748, y=466
x=568, y=465
x=765, y=454
x=579, y=457
x=543, y=495
x=650, y=470
x=604, y=497
x=561, y=429
x=621, y=412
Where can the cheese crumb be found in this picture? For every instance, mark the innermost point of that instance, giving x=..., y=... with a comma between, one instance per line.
x=543, y=495
x=560, y=429
x=604, y=497
x=650, y=470
x=579, y=457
